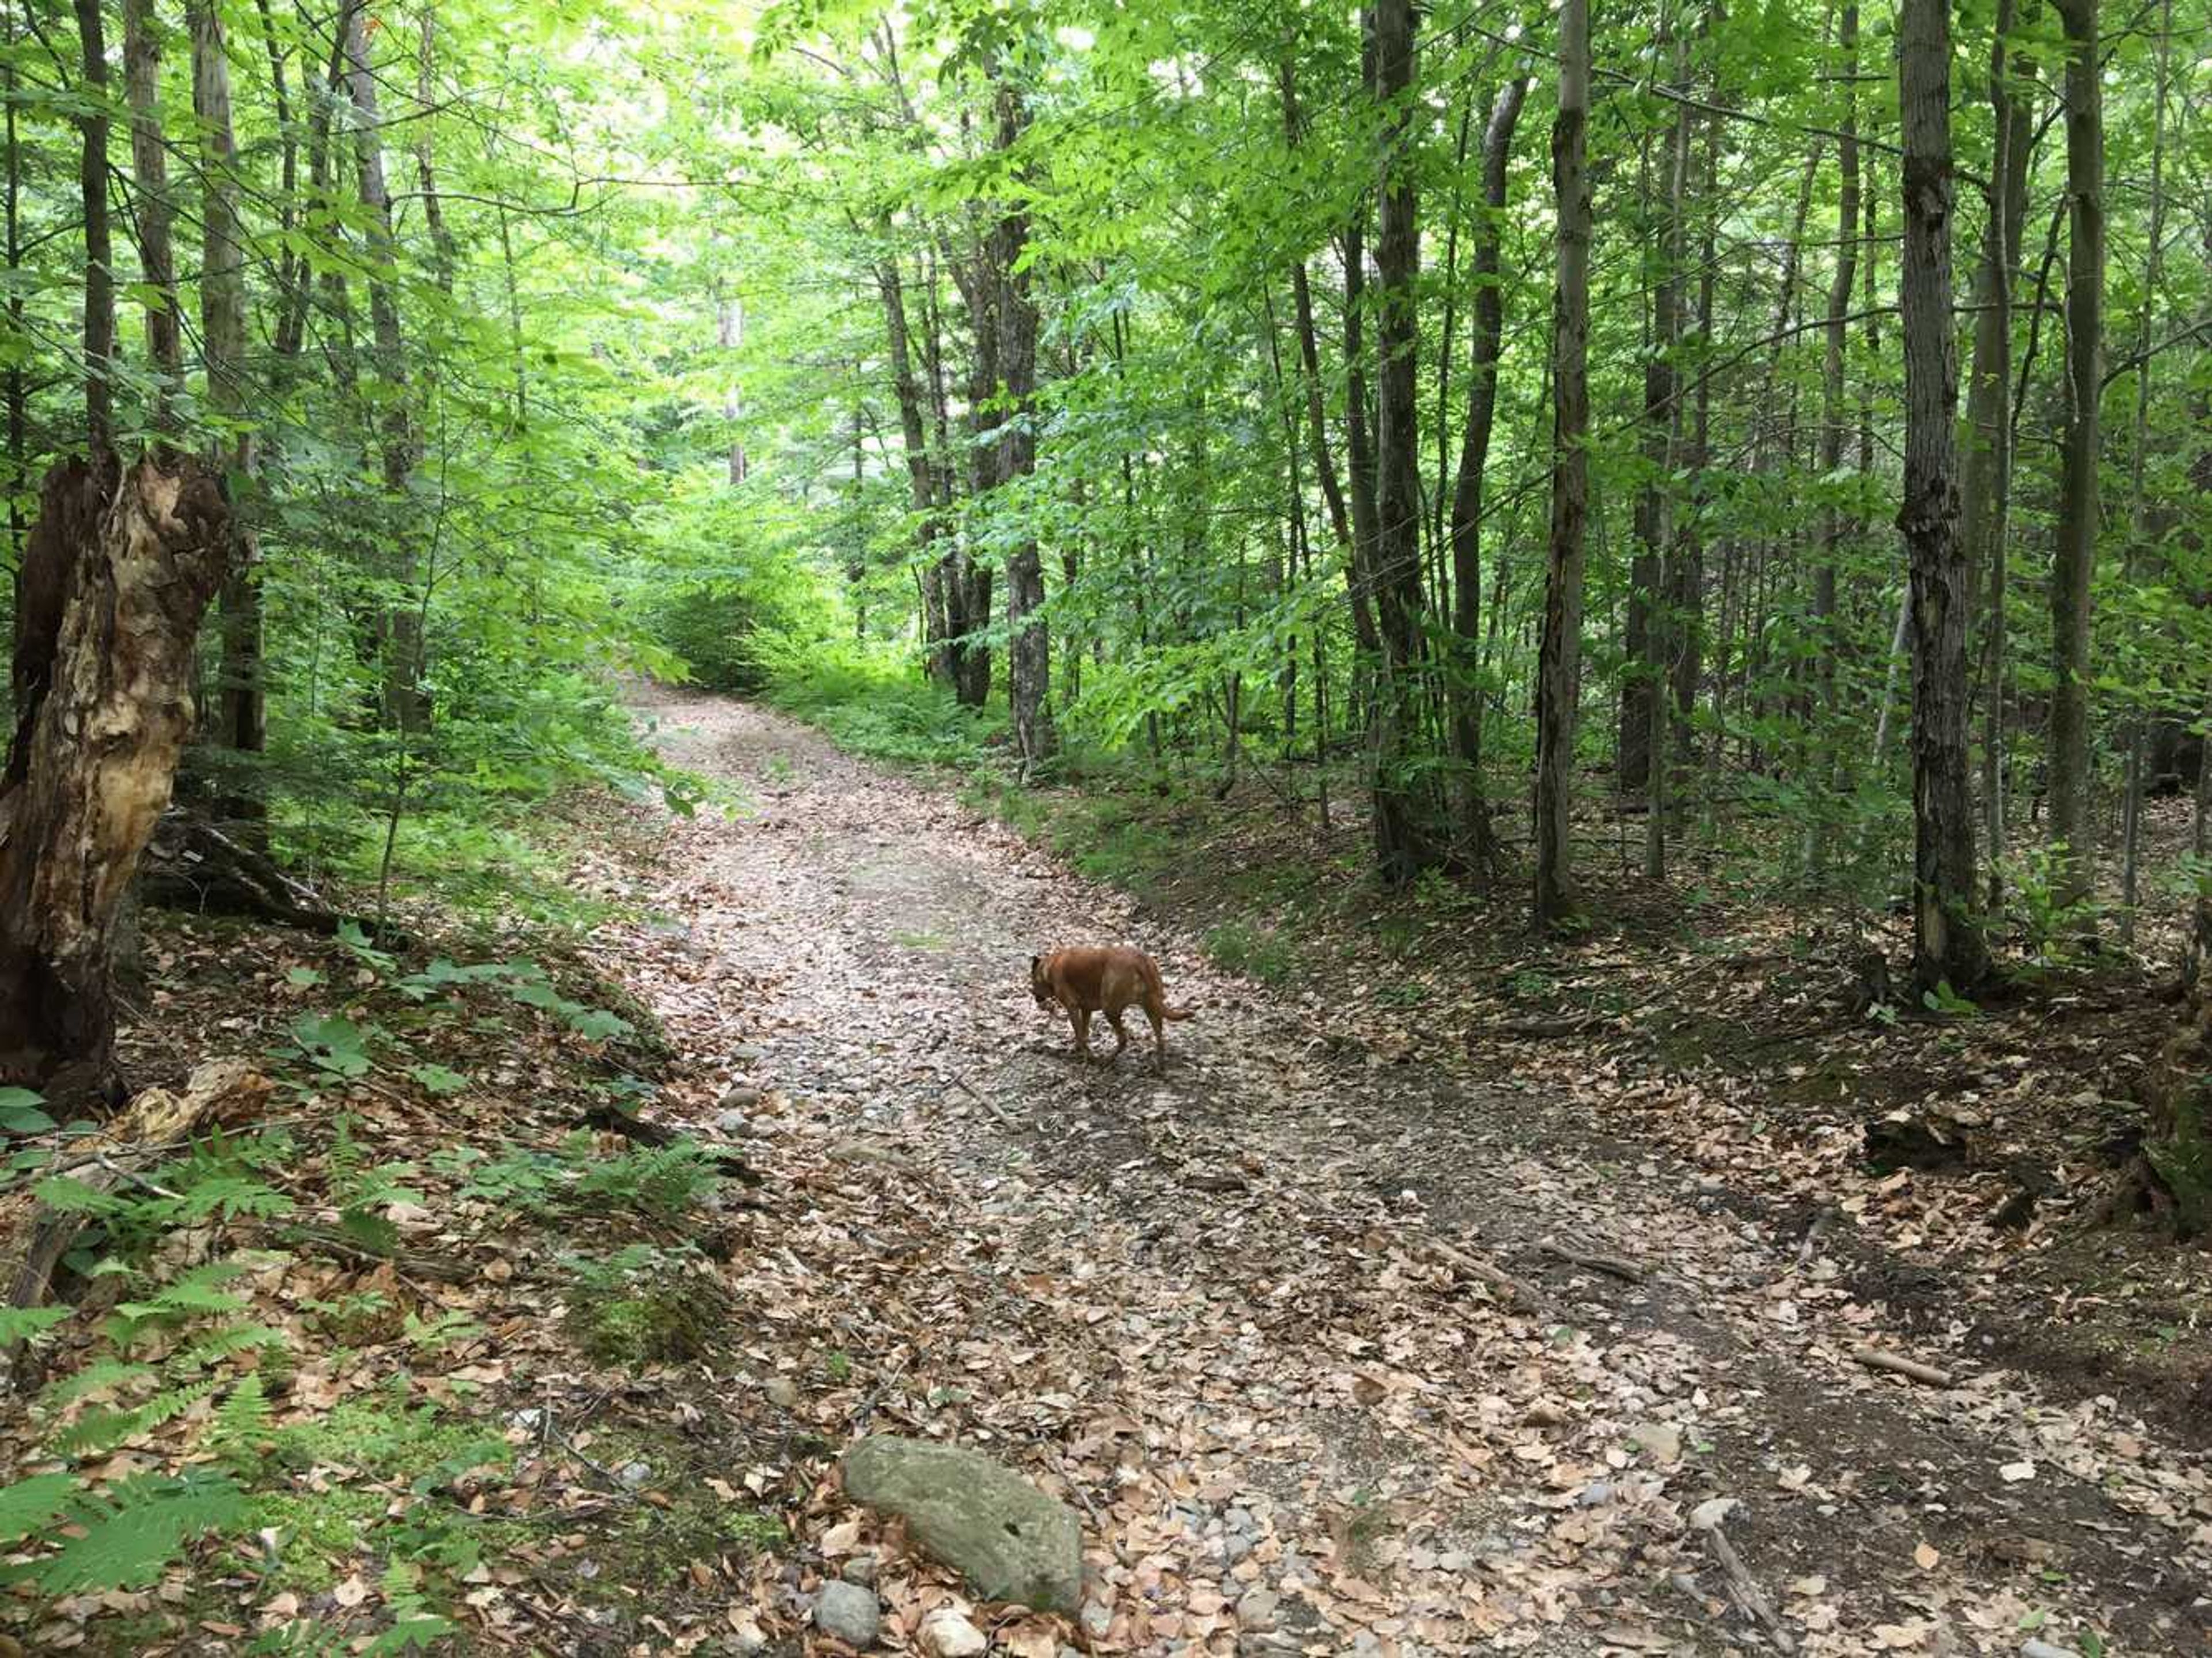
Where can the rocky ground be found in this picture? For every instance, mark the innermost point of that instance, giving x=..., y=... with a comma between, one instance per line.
x=1333, y=1353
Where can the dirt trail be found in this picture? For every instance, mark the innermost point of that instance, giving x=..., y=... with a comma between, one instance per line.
x=1237, y=1316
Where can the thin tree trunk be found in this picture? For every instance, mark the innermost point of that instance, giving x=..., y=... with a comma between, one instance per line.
x=99, y=239
x=1029, y=640
x=149, y=168
x=1558, y=674
x=244, y=727
x=1403, y=835
x=398, y=626
x=1487, y=329
x=1989, y=425
x=1834, y=520
x=2139, y=536
x=1948, y=945
x=1664, y=440
x=2074, y=557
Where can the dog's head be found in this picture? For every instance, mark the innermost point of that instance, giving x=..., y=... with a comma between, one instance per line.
x=1039, y=986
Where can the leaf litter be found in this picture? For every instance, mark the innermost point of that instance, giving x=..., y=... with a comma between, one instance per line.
x=1331, y=1350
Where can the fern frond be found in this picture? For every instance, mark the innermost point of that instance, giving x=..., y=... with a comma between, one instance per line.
x=244, y=1416
x=20, y=1323
x=135, y=1531
x=94, y=1378
x=29, y=1504
x=101, y=1431
x=226, y=1343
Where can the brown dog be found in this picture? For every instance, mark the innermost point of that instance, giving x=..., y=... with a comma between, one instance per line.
x=1081, y=982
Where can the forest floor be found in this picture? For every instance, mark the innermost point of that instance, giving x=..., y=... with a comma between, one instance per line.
x=1379, y=1324
x=1245, y=1316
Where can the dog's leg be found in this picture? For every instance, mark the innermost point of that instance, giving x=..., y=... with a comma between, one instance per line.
x=1159, y=1040
x=1120, y=1032
x=1082, y=1031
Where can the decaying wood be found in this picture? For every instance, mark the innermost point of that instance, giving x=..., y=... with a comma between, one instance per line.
x=1614, y=1265
x=115, y=575
x=1496, y=1278
x=34, y=1238
x=1875, y=1359
x=193, y=864
x=1746, y=1588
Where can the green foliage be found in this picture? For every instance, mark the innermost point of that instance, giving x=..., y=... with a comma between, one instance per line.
x=876, y=703
x=1259, y=953
x=664, y=1183
x=644, y=1305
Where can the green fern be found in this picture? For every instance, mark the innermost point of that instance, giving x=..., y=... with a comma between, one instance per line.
x=130, y=1535
x=94, y=1378
x=243, y=1419
x=229, y=1342
x=29, y=1504
x=21, y=1323
x=104, y=1430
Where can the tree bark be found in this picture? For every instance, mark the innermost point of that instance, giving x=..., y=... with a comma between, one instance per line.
x=1487, y=328
x=1559, y=673
x=1834, y=520
x=1948, y=945
x=1029, y=642
x=99, y=237
x=2074, y=557
x=244, y=727
x=149, y=168
x=399, y=625
x=129, y=561
x=1404, y=835
x=1989, y=421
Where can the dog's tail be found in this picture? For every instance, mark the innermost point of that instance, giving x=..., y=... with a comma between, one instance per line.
x=1160, y=994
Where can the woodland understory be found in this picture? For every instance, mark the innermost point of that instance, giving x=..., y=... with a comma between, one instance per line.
x=1620, y=596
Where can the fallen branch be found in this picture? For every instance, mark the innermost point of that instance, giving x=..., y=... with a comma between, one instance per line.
x=1746, y=1588
x=409, y=1263
x=1613, y=1264
x=1875, y=1359
x=1496, y=1277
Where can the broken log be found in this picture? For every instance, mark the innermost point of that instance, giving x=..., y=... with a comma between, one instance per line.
x=34, y=1238
x=192, y=864
x=1897, y=1364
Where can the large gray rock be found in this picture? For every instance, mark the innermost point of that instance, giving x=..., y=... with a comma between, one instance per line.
x=1010, y=1539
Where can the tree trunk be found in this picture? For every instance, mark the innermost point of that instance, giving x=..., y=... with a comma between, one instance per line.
x=1835, y=521
x=149, y=168
x=1948, y=945
x=1404, y=845
x=1988, y=422
x=124, y=564
x=99, y=239
x=1663, y=442
x=1487, y=329
x=244, y=725
x=1029, y=642
x=2074, y=557
x=399, y=625
x=1559, y=673
x=2141, y=549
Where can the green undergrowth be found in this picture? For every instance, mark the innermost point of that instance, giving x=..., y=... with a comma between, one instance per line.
x=259, y=1322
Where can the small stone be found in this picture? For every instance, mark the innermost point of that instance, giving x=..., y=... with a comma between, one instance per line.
x=1596, y=1495
x=782, y=1391
x=1455, y=1561
x=946, y=1634
x=849, y=1613
x=861, y=1570
x=1235, y=1546
x=1663, y=1441
x=746, y=1052
x=633, y=1475
x=1240, y=1520
x=747, y=1641
x=740, y=1096
x=1257, y=1610
x=1096, y=1619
